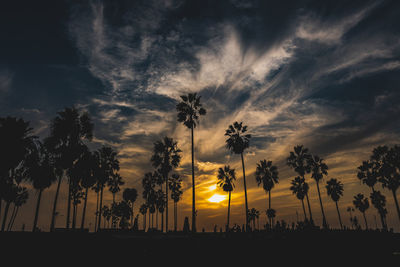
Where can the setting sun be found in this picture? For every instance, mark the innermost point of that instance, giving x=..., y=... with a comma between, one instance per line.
x=216, y=198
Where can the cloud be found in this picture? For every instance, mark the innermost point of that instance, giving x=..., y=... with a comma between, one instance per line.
x=6, y=79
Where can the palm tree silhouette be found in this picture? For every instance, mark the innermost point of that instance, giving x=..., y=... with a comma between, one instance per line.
x=226, y=177
x=130, y=195
x=86, y=169
x=271, y=214
x=149, y=194
x=114, y=184
x=160, y=206
x=175, y=185
x=318, y=170
x=108, y=164
x=390, y=171
x=252, y=216
x=68, y=130
x=362, y=204
x=299, y=161
x=166, y=156
x=334, y=188
x=41, y=174
x=379, y=202
x=369, y=173
x=16, y=141
x=237, y=142
x=349, y=210
x=267, y=174
x=300, y=188
x=20, y=199
x=143, y=211
x=189, y=111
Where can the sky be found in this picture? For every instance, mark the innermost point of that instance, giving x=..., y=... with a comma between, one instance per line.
x=324, y=74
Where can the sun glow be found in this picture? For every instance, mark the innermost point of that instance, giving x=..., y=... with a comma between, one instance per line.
x=216, y=198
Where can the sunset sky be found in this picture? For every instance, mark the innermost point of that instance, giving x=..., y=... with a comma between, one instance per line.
x=324, y=74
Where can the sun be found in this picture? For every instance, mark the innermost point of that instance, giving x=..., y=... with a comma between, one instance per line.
x=216, y=198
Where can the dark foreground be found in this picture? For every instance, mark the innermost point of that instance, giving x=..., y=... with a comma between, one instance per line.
x=145, y=249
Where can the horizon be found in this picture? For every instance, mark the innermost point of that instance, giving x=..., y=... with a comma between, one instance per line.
x=321, y=74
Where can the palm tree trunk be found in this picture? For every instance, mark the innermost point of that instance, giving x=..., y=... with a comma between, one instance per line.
x=166, y=204
x=309, y=209
x=100, y=205
x=304, y=209
x=84, y=208
x=12, y=217
x=37, y=210
x=229, y=210
x=175, y=216
x=97, y=212
x=193, y=188
x=69, y=204
x=53, y=214
x=3, y=225
x=144, y=222
x=380, y=215
x=245, y=192
x=324, y=223
x=162, y=221
x=74, y=208
x=396, y=202
x=340, y=219
x=15, y=216
x=365, y=220
x=132, y=217
x=269, y=207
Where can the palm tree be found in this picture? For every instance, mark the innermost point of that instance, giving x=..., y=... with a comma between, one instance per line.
x=160, y=206
x=175, y=185
x=68, y=130
x=299, y=161
x=379, y=202
x=349, y=210
x=86, y=168
x=334, y=188
x=20, y=199
x=369, y=173
x=16, y=141
x=362, y=204
x=41, y=174
x=130, y=195
x=237, y=142
x=271, y=214
x=189, y=111
x=318, y=170
x=114, y=184
x=226, y=177
x=108, y=164
x=149, y=194
x=166, y=156
x=253, y=216
x=300, y=189
x=390, y=172
x=143, y=211
x=267, y=175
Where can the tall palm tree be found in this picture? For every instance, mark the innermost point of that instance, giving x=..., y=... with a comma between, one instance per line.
x=368, y=173
x=86, y=168
x=379, y=202
x=362, y=204
x=149, y=194
x=143, y=211
x=189, y=112
x=130, y=195
x=349, y=210
x=41, y=174
x=68, y=131
x=390, y=173
x=253, y=216
x=300, y=188
x=160, y=206
x=267, y=175
x=318, y=170
x=166, y=156
x=114, y=184
x=271, y=214
x=20, y=199
x=226, y=177
x=108, y=164
x=16, y=142
x=334, y=188
x=237, y=142
x=298, y=160
x=175, y=185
